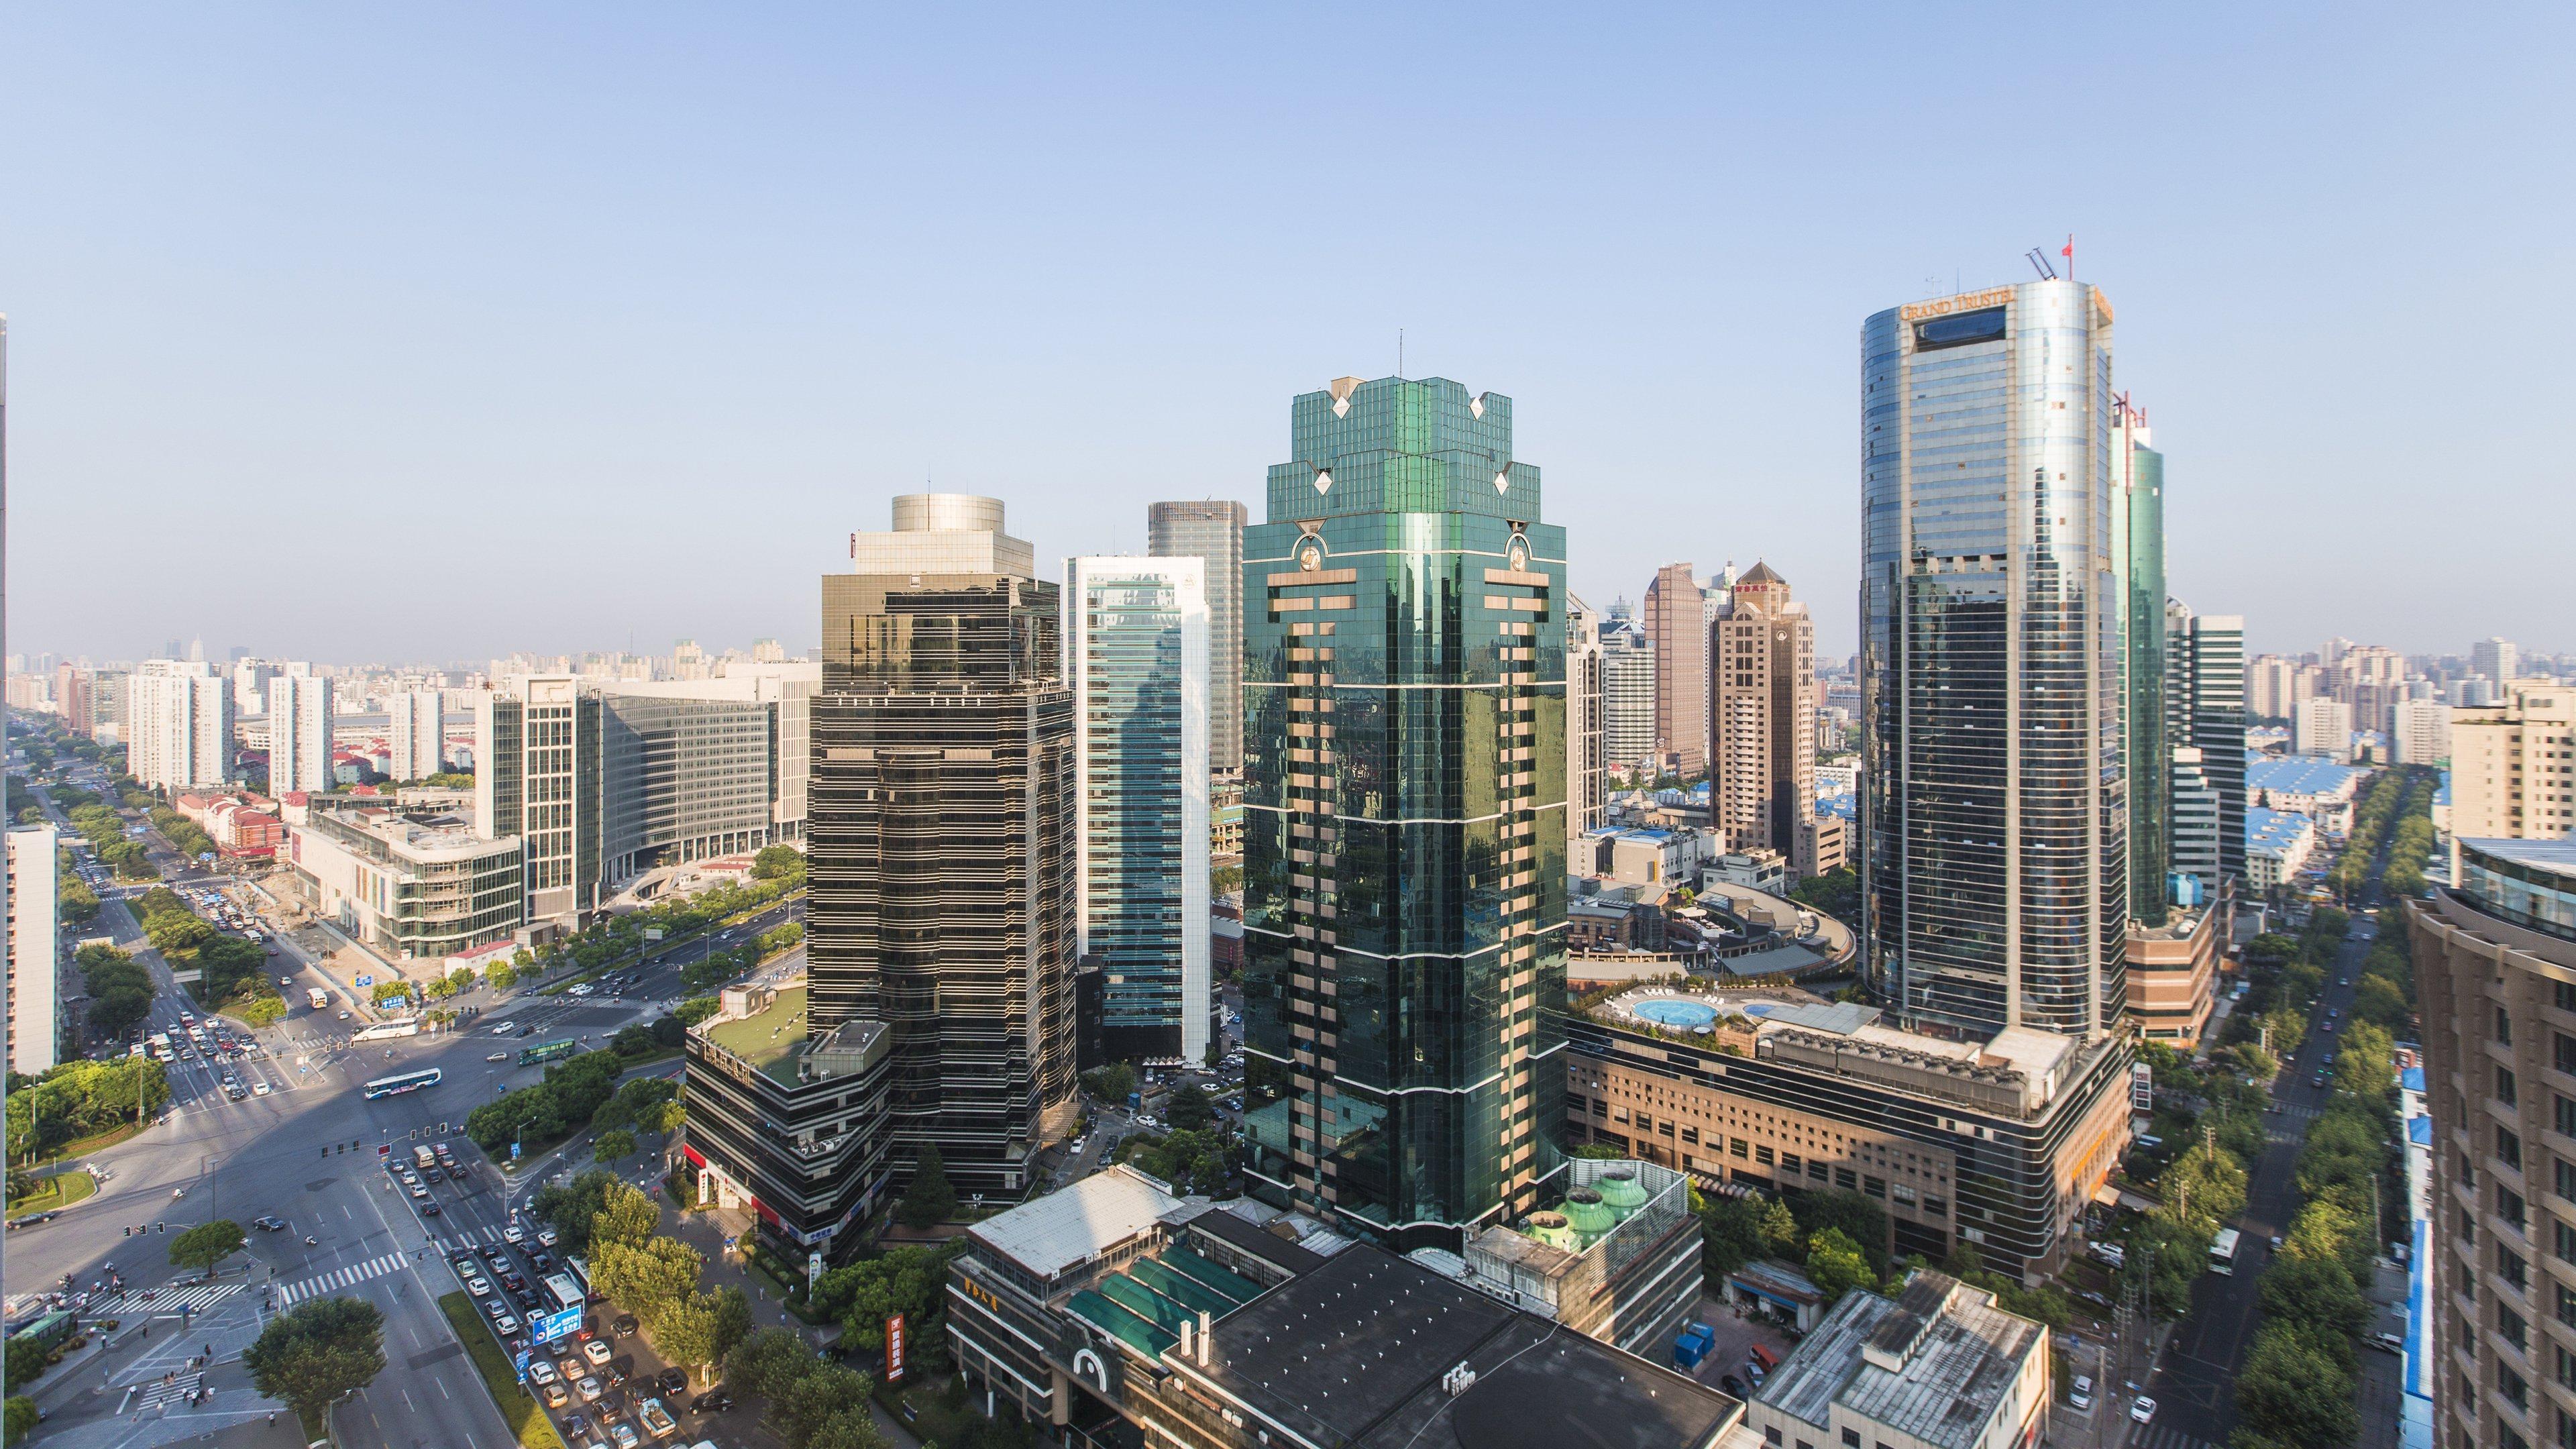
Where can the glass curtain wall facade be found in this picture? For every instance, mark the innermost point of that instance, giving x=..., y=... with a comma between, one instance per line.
x=1404, y=830
x=1136, y=651
x=941, y=855
x=686, y=778
x=2138, y=547
x=2205, y=710
x=1211, y=531
x=1994, y=805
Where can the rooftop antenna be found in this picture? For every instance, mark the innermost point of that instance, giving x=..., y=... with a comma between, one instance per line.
x=1399, y=352
x=2039, y=263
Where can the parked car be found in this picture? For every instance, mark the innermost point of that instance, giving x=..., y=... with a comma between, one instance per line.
x=672, y=1381
x=2143, y=1409
x=713, y=1401
x=2388, y=1341
x=2080, y=1392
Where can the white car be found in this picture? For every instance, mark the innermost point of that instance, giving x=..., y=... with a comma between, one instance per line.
x=479, y=1286
x=506, y=1323
x=2080, y=1393
x=513, y=1234
x=596, y=1350
x=2143, y=1409
x=541, y=1371
x=260, y=1089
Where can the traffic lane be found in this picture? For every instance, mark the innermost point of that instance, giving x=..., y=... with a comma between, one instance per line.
x=2210, y=1344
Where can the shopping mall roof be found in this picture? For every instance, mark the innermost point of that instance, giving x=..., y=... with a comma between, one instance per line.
x=1356, y=1353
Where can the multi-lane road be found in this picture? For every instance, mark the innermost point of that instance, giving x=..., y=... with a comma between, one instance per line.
x=306, y=1151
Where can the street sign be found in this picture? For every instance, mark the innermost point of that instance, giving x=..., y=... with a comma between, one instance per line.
x=366, y=980
x=813, y=1268
x=522, y=1365
x=552, y=1326
x=894, y=1348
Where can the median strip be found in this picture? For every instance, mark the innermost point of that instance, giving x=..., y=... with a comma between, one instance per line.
x=527, y=1421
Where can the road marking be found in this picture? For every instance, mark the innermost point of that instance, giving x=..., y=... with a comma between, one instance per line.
x=339, y=1278
x=158, y=1394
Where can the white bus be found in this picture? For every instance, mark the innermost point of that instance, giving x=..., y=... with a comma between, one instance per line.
x=2222, y=1251
x=316, y=997
x=387, y=1030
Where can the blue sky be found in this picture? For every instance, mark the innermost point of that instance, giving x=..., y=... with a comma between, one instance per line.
x=355, y=333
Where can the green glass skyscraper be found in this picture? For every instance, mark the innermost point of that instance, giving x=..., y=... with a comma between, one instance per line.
x=1404, y=825
x=2138, y=551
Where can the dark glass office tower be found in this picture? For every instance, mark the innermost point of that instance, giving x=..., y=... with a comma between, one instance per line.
x=1404, y=828
x=940, y=836
x=1994, y=808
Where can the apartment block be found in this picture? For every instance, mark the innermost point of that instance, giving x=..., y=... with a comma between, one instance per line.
x=2513, y=765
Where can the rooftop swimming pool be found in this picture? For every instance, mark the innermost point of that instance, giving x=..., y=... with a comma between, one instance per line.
x=1683, y=1014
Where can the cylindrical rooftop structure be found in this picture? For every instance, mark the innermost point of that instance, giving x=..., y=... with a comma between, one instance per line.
x=962, y=512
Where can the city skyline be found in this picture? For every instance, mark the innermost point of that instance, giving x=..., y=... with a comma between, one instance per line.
x=524, y=277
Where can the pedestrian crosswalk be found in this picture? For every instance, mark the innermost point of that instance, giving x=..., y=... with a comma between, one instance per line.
x=2160, y=1436
x=338, y=1278
x=196, y=1297
x=161, y=1393
x=470, y=1239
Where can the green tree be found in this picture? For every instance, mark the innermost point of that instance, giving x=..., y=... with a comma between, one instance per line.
x=778, y=862
x=501, y=975
x=862, y=1295
x=207, y=1244
x=20, y=1419
x=800, y=1411
x=1111, y=1083
x=570, y=1207
x=1862, y=1221
x=1836, y=1265
x=632, y=1040
x=696, y=1009
x=650, y=1277
x=1730, y=1237
x=625, y=1216
x=768, y=1361
x=2314, y=1291
x=1188, y=1110
x=317, y=1353
x=689, y=1329
x=613, y=1145
x=2292, y=1391
x=1779, y=1228
x=929, y=1200
x=76, y=903
x=174, y=935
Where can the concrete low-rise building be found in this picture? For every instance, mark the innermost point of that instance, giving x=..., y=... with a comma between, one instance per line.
x=1616, y=1259
x=789, y=1124
x=406, y=886
x=2173, y=972
x=1937, y=1367
x=1646, y=856
x=2277, y=846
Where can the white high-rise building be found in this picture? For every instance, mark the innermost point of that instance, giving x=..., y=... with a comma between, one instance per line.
x=299, y=734
x=34, y=1015
x=416, y=733
x=2423, y=731
x=2194, y=804
x=179, y=725
x=1136, y=652
x=2323, y=726
x=1627, y=697
x=1587, y=797
x=2496, y=658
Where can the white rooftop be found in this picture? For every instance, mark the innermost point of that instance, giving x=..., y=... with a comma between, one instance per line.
x=1064, y=1229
